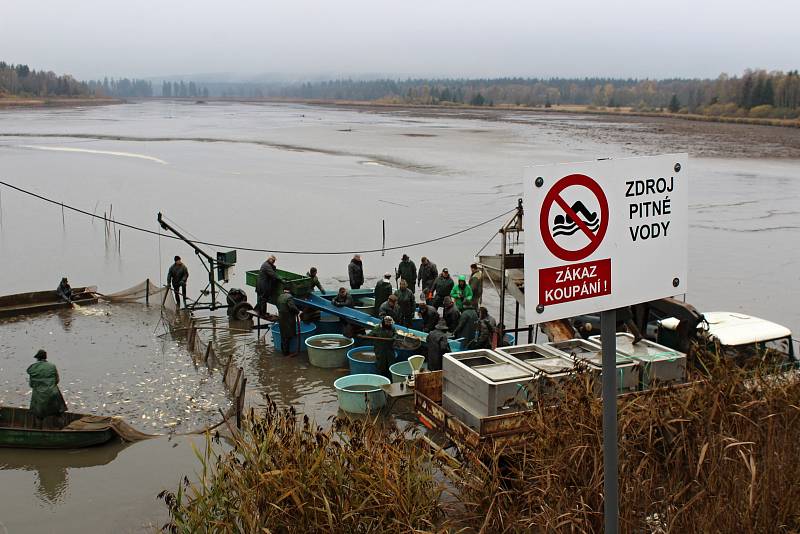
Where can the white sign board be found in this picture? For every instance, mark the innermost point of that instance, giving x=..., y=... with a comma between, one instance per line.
x=604, y=234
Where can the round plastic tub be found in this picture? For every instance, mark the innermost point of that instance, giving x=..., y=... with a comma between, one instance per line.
x=306, y=331
x=328, y=324
x=361, y=393
x=334, y=355
x=362, y=365
x=400, y=371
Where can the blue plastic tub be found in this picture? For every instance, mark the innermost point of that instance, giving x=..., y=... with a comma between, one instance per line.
x=328, y=324
x=306, y=331
x=402, y=355
x=367, y=395
x=328, y=357
x=358, y=366
x=400, y=371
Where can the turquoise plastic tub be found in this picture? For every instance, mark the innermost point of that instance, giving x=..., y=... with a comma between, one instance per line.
x=366, y=394
x=366, y=305
x=306, y=331
x=400, y=371
x=358, y=366
x=328, y=357
x=328, y=324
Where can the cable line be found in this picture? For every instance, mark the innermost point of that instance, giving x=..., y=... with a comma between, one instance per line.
x=250, y=249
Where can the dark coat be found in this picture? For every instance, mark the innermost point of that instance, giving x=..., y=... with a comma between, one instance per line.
x=177, y=275
x=384, y=348
x=451, y=316
x=382, y=291
x=356, y=273
x=427, y=275
x=46, y=399
x=430, y=317
x=287, y=315
x=267, y=280
x=315, y=282
x=442, y=288
x=406, y=303
x=408, y=272
x=64, y=291
x=486, y=329
x=385, y=310
x=476, y=284
x=465, y=328
x=437, y=347
x=347, y=301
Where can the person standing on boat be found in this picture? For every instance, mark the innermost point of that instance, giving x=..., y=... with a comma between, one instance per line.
x=427, y=276
x=461, y=293
x=390, y=308
x=343, y=299
x=405, y=302
x=355, y=271
x=437, y=346
x=266, y=283
x=476, y=283
x=312, y=273
x=441, y=288
x=407, y=271
x=177, y=276
x=46, y=398
x=64, y=291
x=287, y=319
x=382, y=291
x=430, y=317
x=384, y=345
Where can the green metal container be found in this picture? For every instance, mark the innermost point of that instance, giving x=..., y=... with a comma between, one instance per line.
x=299, y=285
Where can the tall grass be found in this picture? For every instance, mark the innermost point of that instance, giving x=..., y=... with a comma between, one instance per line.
x=718, y=456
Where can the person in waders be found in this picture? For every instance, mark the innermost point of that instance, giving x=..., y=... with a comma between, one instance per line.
x=287, y=320
x=177, y=276
x=46, y=398
x=384, y=346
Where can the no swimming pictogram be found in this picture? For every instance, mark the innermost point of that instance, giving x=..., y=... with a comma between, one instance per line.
x=576, y=218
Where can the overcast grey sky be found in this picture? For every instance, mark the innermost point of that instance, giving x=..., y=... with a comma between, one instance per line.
x=686, y=38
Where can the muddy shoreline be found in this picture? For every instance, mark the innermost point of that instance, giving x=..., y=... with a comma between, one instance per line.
x=8, y=103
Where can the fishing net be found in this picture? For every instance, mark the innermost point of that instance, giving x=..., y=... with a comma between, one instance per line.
x=96, y=422
x=143, y=292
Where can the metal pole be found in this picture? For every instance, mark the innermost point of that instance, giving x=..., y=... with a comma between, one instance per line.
x=147, y=292
x=608, y=334
x=503, y=282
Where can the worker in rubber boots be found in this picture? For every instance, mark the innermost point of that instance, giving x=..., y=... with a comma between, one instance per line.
x=406, y=303
x=384, y=345
x=427, y=275
x=407, y=271
x=486, y=329
x=437, y=345
x=312, y=273
x=382, y=291
x=429, y=316
x=476, y=283
x=467, y=323
x=287, y=320
x=450, y=313
x=442, y=287
x=265, y=284
x=355, y=271
x=177, y=276
x=461, y=293
x=46, y=398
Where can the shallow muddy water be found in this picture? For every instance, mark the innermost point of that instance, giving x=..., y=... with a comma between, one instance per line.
x=294, y=178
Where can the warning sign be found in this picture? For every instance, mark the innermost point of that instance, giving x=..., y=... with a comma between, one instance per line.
x=611, y=233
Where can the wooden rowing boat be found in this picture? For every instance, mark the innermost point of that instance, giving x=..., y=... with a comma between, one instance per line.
x=19, y=428
x=40, y=301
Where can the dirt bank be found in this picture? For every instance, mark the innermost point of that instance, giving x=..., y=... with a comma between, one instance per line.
x=11, y=102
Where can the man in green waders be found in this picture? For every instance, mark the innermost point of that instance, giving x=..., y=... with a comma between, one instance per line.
x=384, y=347
x=46, y=399
x=287, y=319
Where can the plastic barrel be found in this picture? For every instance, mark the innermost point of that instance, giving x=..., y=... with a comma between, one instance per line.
x=328, y=324
x=368, y=398
x=328, y=357
x=366, y=305
x=306, y=330
x=400, y=371
x=360, y=366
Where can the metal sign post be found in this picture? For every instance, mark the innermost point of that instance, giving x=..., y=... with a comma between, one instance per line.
x=608, y=334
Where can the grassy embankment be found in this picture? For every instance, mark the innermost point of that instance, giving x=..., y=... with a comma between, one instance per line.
x=719, y=456
x=11, y=102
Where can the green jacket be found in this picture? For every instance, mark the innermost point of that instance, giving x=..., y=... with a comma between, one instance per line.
x=287, y=315
x=46, y=398
x=408, y=272
x=382, y=291
x=460, y=296
x=384, y=348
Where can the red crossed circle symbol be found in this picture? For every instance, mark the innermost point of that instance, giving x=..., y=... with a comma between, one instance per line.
x=554, y=196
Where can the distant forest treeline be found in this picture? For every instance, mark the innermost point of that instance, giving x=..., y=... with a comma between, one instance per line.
x=757, y=93
x=121, y=88
x=21, y=80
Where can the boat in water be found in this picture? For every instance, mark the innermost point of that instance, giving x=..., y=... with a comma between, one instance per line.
x=41, y=301
x=20, y=428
